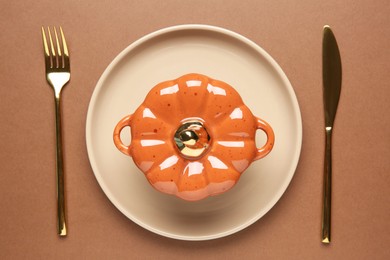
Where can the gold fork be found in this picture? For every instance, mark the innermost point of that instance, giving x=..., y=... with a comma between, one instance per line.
x=57, y=75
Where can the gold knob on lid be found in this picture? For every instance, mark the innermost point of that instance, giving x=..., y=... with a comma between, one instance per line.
x=192, y=139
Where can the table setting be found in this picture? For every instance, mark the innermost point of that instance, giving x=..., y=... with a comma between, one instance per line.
x=196, y=129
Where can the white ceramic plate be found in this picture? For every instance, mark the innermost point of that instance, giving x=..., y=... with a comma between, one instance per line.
x=220, y=54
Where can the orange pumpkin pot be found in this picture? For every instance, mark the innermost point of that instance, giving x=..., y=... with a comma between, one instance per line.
x=193, y=137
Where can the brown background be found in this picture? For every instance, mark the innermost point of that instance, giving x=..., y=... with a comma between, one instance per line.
x=288, y=30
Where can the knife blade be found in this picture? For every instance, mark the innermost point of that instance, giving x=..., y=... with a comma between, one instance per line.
x=331, y=75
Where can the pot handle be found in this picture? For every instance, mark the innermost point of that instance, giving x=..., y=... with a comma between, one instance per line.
x=117, y=135
x=267, y=147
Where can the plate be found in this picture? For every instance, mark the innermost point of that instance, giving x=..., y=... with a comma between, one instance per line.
x=220, y=54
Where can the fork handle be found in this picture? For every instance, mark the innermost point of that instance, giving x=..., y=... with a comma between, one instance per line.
x=326, y=210
x=61, y=225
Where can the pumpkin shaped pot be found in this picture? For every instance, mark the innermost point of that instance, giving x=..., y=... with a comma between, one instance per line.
x=193, y=137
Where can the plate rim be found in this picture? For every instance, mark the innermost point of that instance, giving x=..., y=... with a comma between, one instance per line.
x=202, y=27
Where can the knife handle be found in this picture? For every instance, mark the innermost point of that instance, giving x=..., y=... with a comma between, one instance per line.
x=326, y=204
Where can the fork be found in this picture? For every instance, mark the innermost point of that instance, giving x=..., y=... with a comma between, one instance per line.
x=57, y=75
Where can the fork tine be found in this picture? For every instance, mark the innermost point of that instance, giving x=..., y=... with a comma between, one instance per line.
x=53, y=51
x=46, y=48
x=60, y=63
x=66, y=53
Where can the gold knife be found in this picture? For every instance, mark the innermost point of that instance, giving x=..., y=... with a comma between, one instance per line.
x=331, y=76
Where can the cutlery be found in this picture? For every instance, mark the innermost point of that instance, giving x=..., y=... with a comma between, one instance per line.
x=331, y=75
x=57, y=75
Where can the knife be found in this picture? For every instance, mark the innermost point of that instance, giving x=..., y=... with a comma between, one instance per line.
x=331, y=75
